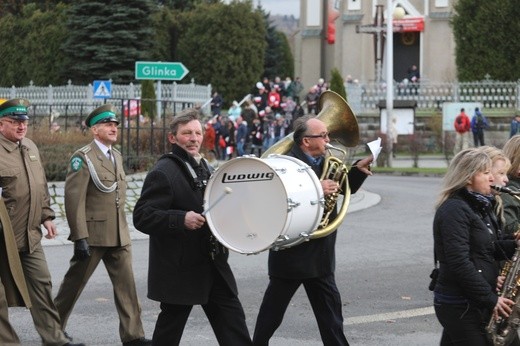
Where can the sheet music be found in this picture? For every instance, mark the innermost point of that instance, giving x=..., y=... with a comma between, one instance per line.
x=375, y=147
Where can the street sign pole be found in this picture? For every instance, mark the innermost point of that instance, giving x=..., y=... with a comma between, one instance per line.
x=159, y=100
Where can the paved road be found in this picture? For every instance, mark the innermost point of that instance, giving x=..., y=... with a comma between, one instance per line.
x=384, y=256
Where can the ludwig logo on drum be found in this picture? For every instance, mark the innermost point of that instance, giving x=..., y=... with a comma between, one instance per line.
x=245, y=177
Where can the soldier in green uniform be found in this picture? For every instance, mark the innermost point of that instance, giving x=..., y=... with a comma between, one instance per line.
x=27, y=201
x=95, y=193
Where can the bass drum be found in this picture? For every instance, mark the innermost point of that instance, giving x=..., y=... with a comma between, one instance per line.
x=256, y=204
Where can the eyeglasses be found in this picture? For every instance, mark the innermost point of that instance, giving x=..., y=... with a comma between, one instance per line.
x=16, y=122
x=323, y=135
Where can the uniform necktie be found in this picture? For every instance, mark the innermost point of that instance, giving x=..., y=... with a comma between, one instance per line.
x=111, y=157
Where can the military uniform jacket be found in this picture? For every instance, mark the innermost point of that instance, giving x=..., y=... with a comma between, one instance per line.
x=180, y=269
x=314, y=258
x=25, y=191
x=91, y=213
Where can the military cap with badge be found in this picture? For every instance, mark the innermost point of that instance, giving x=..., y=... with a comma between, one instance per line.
x=15, y=109
x=103, y=114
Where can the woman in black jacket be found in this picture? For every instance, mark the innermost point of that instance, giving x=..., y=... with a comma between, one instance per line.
x=467, y=244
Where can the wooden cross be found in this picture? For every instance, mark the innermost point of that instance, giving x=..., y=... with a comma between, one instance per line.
x=378, y=29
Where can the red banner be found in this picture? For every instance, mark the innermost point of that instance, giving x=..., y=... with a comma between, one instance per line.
x=408, y=24
x=333, y=14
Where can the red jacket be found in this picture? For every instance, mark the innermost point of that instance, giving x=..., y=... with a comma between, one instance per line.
x=462, y=123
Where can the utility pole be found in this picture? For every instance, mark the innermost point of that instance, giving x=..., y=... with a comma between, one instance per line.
x=389, y=83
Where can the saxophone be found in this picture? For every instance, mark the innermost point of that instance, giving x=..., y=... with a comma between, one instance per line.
x=502, y=330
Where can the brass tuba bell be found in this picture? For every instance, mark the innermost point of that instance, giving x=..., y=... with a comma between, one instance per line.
x=337, y=116
x=343, y=128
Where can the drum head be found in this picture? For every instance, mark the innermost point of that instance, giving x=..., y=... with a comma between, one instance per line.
x=249, y=219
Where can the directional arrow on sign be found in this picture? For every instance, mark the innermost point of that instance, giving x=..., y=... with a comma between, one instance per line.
x=160, y=70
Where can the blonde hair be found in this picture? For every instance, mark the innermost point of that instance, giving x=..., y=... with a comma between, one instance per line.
x=512, y=151
x=496, y=154
x=463, y=167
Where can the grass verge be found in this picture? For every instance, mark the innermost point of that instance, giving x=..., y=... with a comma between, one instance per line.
x=410, y=171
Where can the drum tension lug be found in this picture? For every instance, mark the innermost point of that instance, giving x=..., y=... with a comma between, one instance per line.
x=291, y=204
x=320, y=201
x=281, y=238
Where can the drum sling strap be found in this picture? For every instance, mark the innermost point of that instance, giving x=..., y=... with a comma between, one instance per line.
x=198, y=184
x=215, y=248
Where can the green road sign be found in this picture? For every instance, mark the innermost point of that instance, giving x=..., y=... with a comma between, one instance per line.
x=160, y=70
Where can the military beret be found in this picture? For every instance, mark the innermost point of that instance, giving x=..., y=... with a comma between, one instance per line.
x=15, y=108
x=103, y=114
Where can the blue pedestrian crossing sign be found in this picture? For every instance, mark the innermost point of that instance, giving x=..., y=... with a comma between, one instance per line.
x=102, y=89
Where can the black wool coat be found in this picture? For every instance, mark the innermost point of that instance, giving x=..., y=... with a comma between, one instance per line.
x=468, y=245
x=181, y=270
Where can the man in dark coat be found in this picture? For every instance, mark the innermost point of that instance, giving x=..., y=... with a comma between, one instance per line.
x=311, y=263
x=187, y=264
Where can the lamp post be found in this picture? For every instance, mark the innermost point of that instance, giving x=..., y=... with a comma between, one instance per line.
x=397, y=13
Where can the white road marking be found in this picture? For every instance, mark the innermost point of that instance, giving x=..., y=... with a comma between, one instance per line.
x=389, y=316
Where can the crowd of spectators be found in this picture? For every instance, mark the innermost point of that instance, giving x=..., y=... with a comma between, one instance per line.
x=258, y=122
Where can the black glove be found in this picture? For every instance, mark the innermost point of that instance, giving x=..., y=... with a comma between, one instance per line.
x=81, y=250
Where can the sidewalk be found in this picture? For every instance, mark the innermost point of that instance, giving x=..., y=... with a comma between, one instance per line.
x=362, y=199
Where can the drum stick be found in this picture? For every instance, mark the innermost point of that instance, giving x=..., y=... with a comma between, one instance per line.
x=227, y=191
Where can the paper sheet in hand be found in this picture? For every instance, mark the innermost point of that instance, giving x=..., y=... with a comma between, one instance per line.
x=375, y=147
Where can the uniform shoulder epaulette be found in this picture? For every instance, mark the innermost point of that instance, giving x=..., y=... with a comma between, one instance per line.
x=85, y=149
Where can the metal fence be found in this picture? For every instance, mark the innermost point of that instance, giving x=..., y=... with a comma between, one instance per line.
x=429, y=95
x=79, y=100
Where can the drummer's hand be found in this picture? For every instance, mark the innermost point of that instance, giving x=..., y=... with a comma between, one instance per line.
x=329, y=186
x=364, y=165
x=193, y=221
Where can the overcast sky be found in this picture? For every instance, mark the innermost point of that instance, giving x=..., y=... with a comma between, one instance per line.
x=287, y=7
